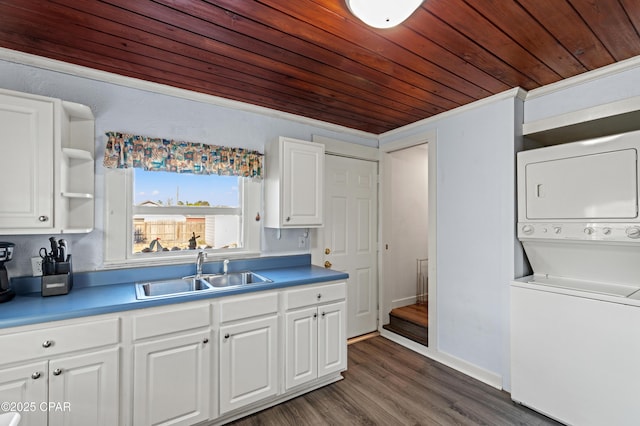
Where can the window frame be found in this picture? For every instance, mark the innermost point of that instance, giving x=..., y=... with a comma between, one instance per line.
x=118, y=224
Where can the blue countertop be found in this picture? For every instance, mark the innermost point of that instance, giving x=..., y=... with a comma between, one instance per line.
x=96, y=293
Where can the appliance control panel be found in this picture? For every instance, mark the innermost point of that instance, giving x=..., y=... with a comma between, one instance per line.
x=627, y=232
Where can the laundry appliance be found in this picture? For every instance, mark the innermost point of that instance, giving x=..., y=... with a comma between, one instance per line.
x=575, y=323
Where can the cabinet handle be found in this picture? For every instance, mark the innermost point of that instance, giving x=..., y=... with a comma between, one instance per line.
x=288, y=218
x=57, y=372
x=315, y=315
x=47, y=343
x=319, y=296
x=43, y=218
x=35, y=375
x=226, y=336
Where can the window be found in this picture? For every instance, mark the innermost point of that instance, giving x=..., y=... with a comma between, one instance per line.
x=162, y=215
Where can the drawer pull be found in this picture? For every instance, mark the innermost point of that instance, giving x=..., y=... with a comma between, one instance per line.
x=205, y=340
x=57, y=372
x=47, y=343
x=35, y=375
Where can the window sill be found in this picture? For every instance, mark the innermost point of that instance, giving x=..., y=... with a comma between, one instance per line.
x=175, y=259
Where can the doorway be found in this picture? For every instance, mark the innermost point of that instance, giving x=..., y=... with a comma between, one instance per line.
x=350, y=236
x=406, y=242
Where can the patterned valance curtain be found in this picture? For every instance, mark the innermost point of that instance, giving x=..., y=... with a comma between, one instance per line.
x=124, y=151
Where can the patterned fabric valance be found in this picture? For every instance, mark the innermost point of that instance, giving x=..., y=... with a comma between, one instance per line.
x=125, y=151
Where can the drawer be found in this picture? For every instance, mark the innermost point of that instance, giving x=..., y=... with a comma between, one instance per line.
x=248, y=306
x=161, y=321
x=314, y=295
x=48, y=342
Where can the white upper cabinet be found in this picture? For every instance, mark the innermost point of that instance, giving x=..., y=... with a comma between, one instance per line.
x=294, y=184
x=48, y=165
x=26, y=163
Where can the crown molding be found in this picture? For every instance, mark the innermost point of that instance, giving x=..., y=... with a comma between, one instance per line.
x=515, y=93
x=22, y=58
x=606, y=71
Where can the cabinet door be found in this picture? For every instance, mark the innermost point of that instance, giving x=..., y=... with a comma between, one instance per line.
x=248, y=362
x=301, y=346
x=84, y=389
x=26, y=163
x=26, y=386
x=332, y=340
x=302, y=184
x=172, y=380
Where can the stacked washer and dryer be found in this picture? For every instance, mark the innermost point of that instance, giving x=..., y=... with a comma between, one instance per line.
x=575, y=323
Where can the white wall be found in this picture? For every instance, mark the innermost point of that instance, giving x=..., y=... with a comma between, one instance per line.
x=127, y=109
x=406, y=223
x=475, y=229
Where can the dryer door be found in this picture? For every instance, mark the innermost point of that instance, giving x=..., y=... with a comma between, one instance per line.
x=597, y=186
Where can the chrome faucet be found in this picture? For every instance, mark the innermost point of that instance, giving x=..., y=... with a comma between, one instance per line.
x=225, y=266
x=199, y=261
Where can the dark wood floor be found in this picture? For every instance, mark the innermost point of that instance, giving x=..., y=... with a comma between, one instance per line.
x=387, y=384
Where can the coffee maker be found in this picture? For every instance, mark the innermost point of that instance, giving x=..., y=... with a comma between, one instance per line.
x=6, y=254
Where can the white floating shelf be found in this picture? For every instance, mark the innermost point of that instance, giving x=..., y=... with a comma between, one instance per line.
x=77, y=195
x=77, y=154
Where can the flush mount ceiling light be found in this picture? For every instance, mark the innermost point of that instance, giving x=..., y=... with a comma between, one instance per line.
x=383, y=13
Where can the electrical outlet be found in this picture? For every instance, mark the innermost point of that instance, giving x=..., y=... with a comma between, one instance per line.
x=36, y=266
x=301, y=242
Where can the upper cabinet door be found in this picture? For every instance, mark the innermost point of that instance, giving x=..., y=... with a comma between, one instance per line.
x=26, y=163
x=302, y=183
x=294, y=184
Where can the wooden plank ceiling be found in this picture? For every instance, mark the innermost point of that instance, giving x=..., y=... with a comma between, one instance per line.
x=313, y=58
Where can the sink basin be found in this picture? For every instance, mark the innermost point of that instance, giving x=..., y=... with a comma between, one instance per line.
x=235, y=278
x=178, y=286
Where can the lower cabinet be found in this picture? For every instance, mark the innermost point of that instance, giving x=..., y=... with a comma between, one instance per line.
x=315, y=344
x=172, y=380
x=248, y=342
x=68, y=382
x=172, y=365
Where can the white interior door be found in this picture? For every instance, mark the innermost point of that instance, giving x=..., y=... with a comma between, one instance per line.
x=350, y=236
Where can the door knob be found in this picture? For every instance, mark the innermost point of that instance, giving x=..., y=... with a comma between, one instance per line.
x=327, y=264
x=327, y=251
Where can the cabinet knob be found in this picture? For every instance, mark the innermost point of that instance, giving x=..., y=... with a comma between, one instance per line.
x=319, y=296
x=43, y=218
x=327, y=251
x=57, y=372
x=323, y=314
x=35, y=375
x=47, y=343
x=327, y=264
x=205, y=341
x=315, y=315
x=288, y=219
x=226, y=336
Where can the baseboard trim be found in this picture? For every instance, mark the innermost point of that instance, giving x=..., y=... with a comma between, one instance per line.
x=471, y=370
x=363, y=337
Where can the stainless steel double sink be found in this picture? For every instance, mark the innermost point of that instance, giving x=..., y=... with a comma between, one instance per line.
x=196, y=284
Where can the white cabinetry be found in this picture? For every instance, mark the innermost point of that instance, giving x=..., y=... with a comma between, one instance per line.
x=294, y=184
x=64, y=375
x=47, y=164
x=315, y=333
x=172, y=364
x=248, y=350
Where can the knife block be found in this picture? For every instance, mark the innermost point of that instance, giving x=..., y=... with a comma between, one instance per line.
x=59, y=283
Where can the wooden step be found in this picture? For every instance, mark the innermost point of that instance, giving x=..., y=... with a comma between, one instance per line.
x=411, y=322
